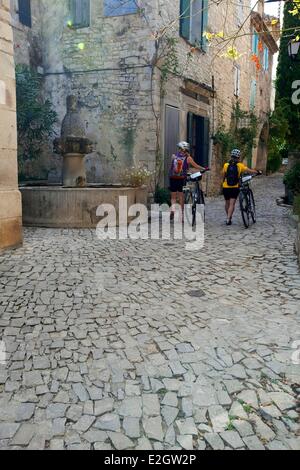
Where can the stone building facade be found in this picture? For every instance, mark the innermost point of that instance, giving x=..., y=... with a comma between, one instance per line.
x=113, y=54
x=10, y=198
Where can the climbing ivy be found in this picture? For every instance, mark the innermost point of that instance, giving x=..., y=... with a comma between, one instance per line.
x=35, y=116
x=241, y=133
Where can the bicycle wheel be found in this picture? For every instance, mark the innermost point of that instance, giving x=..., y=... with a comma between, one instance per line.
x=190, y=201
x=244, y=206
x=202, y=204
x=252, y=206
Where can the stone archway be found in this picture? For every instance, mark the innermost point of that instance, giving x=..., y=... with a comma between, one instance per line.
x=10, y=197
x=262, y=148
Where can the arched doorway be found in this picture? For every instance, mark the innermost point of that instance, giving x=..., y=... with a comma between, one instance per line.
x=262, y=148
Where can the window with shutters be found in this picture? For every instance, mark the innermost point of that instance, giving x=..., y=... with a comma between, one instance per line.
x=255, y=41
x=237, y=80
x=120, y=7
x=25, y=12
x=80, y=13
x=266, y=59
x=193, y=21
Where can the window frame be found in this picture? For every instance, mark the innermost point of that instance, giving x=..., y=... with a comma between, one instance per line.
x=23, y=19
x=105, y=15
x=80, y=25
x=202, y=43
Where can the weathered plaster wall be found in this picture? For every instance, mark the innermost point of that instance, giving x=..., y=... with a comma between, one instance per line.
x=109, y=65
x=10, y=198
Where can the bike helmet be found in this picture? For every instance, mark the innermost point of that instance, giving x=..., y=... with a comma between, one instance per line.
x=183, y=145
x=236, y=153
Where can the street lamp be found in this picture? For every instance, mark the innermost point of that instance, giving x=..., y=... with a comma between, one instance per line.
x=293, y=49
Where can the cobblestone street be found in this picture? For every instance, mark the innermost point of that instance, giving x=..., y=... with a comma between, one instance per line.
x=144, y=345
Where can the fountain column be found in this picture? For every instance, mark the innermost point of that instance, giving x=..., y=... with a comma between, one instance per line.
x=73, y=145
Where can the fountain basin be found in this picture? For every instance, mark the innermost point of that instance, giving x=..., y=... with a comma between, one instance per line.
x=60, y=207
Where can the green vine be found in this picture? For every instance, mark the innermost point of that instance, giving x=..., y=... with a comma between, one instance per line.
x=241, y=133
x=170, y=63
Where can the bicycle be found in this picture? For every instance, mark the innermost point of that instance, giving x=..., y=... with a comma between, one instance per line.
x=247, y=202
x=194, y=196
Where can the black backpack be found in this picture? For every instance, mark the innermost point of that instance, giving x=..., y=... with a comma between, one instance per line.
x=232, y=174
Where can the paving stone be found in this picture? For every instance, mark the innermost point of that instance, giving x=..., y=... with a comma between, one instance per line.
x=263, y=431
x=249, y=397
x=214, y=441
x=218, y=417
x=186, y=426
x=153, y=428
x=25, y=411
x=170, y=399
x=132, y=427
x=95, y=436
x=143, y=444
x=238, y=371
x=253, y=443
x=243, y=427
x=201, y=445
x=32, y=379
x=57, y=444
x=270, y=412
x=131, y=407
x=81, y=392
x=237, y=411
x=187, y=407
x=186, y=442
x=74, y=412
x=223, y=398
x=169, y=414
x=232, y=438
x=24, y=435
x=120, y=441
x=57, y=410
x=283, y=400
x=276, y=445
x=170, y=436
x=59, y=427
x=103, y=406
x=108, y=422
x=102, y=446
x=84, y=423
x=151, y=405
x=8, y=430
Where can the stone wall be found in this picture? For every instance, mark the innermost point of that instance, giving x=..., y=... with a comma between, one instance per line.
x=110, y=65
x=10, y=198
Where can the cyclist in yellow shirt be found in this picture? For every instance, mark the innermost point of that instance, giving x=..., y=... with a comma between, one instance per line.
x=232, y=173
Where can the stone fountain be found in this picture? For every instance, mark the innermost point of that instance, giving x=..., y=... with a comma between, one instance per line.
x=75, y=203
x=73, y=145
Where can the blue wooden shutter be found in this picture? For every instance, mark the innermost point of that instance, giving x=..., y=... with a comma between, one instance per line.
x=25, y=12
x=185, y=19
x=266, y=59
x=204, y=24
x=255, y=43
x=80, y=11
